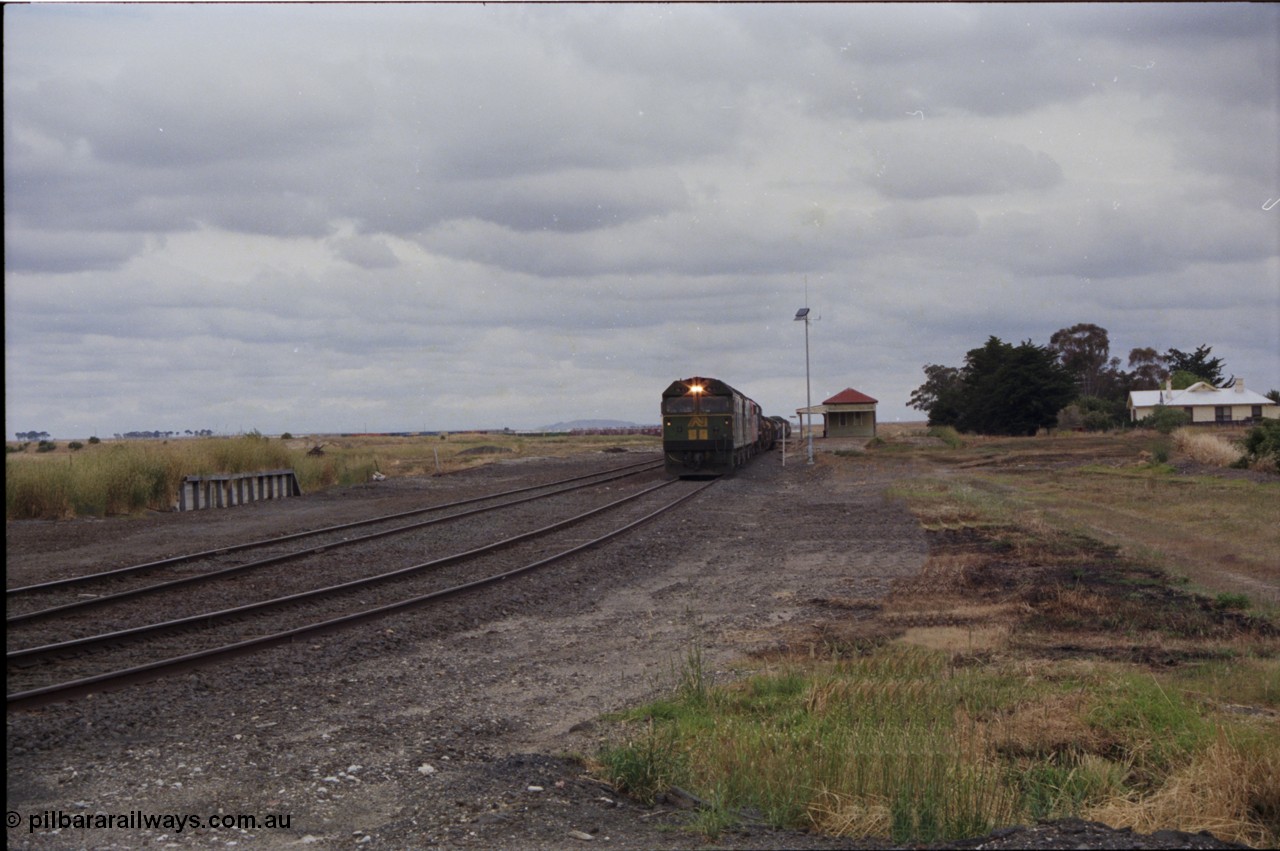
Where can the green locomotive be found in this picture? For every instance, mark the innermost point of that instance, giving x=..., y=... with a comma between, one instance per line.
x=709, y=429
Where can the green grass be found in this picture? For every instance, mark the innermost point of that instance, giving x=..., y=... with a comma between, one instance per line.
x=905, y=744
x=1149, y=726
x=887, y=731
x=1228, y=600
x=948, y=435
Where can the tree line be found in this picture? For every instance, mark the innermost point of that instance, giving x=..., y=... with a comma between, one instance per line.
x=137, y=435
x=128, y=435
x=1073, y=381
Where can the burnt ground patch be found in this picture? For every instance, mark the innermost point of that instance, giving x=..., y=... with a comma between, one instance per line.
x=1125, y=610
x=1067, y=597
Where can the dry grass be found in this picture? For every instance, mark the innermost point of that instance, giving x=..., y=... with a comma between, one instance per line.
x=958, y=639
x=851, y=815
x=132, y=476
x=420, y=455
x=1053, y=724
x=1207, y=447
x=943, y=572
x=1231, y=789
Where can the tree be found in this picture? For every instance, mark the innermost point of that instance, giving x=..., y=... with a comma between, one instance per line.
x=1148, y=369
x=1198, y=363
x=1085, y=350
x=1001, y=389
x=1100, y=414
x=939, y=396
x=1007, y=389
x=1182, y=379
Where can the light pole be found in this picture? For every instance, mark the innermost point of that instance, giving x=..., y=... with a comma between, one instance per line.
x=803, y=315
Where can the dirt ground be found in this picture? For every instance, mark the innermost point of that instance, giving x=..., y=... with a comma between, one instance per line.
x=462, y=727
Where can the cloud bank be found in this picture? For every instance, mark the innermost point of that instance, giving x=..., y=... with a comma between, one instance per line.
x=400, y=217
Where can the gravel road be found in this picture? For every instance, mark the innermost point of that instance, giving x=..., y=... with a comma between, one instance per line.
x=456, y=727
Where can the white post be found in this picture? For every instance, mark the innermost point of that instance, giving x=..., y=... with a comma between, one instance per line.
x=808, y=393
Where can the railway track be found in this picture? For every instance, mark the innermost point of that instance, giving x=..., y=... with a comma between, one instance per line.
x=114, y=639
x=66, y=594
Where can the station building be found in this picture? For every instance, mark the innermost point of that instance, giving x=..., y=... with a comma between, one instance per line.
x=849, y=413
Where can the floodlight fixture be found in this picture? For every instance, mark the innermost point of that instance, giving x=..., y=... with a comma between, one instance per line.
x=802, y=313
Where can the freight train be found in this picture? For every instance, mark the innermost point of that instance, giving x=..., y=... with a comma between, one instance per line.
x=709, y=429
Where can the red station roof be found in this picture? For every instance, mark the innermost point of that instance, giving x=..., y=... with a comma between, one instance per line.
x=849, y=396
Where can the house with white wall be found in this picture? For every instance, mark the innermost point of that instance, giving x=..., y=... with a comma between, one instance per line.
x=1205, y=404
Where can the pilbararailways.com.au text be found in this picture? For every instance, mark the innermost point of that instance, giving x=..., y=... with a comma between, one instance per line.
x=138, y=820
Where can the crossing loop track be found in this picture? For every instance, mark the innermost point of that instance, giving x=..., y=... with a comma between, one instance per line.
x=573, y=483
x=110, y=679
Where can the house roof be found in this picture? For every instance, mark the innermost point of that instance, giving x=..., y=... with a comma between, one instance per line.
x=849, y=396
x=1200, y=393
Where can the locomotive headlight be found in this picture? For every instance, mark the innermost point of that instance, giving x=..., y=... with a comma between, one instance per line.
x=695, y=389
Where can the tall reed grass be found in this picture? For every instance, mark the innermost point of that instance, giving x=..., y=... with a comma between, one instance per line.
x=135, y=476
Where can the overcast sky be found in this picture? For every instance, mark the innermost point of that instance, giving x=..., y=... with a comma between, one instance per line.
x=324, y=218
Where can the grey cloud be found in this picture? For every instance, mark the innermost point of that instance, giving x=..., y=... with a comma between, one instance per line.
x=1185, y=23
x=922, y=162
x=572, y=200
x=883, y=61
x=928, y=219
x=1224, y=139
x=676, y=245
x=152, y=117
x=69, y=251
x=1100, y=240
x=366, y=252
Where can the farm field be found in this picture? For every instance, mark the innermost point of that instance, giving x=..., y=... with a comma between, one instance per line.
x=1065, y=611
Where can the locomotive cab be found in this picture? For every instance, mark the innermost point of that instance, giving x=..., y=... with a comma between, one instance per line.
x=708, y=428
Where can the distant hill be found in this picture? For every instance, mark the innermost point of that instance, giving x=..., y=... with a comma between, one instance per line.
x=572, y=424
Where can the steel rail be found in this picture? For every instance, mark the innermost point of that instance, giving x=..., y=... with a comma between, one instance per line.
x=178, y=559
x=109, y=681
x=208, y=618
x=222, y=573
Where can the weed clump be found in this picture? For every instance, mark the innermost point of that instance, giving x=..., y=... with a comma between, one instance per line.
x=1262, y=444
